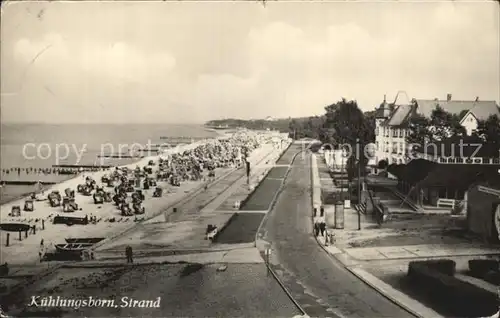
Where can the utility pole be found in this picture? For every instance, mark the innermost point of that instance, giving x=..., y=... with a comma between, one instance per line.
x=359, y=193
x=359, y=188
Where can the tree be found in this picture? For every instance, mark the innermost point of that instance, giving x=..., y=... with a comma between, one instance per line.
x=441, y=125
x=311, y=127
x=444, y=124
x=349, y=122
x=488, y=131
x=351, y=128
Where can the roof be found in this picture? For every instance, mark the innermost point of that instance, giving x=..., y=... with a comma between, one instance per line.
x=435, y=174
x=459, y=175
x=400, y=116
x=426, y=106
x=484, y=109
x=413, y=172
x=379, y=112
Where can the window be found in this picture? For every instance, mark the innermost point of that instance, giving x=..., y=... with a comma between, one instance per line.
x=376, y=131
x=394, y=147
x=401, y=133
x=395, y=132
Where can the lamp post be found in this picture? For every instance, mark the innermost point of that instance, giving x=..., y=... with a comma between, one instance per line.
x=359, y=193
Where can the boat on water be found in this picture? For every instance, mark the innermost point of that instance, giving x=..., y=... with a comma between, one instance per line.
x=86, y=240
x=73, y=247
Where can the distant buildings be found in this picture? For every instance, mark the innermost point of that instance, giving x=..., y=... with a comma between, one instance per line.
x=392, y=123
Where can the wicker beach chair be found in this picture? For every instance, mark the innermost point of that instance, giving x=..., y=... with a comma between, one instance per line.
x=67, y=192
x=158, y=192
x=28, y=206
x=126, y=211
x=66, y=207
x=138, y=208
x=87, y=191
x=54, y=200
x=15, y=211
x=107, y=197
x=73, y=204
x=98, y=198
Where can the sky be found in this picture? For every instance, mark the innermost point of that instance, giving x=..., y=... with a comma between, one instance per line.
x=176, y=62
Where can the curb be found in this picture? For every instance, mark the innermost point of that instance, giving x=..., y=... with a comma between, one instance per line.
x=299, y=307
x=393, y=299
x=376, y=288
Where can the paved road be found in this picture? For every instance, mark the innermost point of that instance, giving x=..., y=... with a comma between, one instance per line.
x=316, y=280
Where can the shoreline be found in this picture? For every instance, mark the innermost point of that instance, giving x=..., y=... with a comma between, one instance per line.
x=173, y=150
x=26, y=194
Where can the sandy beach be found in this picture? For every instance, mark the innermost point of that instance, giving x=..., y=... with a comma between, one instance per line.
x=26, y=250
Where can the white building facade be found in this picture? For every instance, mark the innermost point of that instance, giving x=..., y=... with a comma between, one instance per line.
x=392, y=120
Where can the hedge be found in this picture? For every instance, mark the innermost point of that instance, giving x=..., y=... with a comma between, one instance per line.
x=492, y=277
x=460, y=298
x=479, y=267
x=444, y=266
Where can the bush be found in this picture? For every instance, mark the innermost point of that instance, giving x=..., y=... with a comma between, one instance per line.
x=458, y=297
x=443, y=266
x=493, y=277
x=479, y=267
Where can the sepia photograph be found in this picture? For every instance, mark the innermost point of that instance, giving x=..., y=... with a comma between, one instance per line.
x=270, y=158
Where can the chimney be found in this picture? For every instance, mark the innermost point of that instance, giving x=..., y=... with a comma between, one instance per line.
x=448, y=97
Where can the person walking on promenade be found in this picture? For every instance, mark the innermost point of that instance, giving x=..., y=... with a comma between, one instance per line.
x=316, y=229
x=128, y=254
x=322, y=227
x=41, y=252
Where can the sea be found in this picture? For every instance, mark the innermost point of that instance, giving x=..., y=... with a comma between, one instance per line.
x=44, y=145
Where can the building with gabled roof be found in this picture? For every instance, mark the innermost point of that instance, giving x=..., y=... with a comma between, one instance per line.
x=392, y=122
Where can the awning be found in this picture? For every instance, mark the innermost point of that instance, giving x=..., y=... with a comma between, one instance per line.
x=396, y=170
x=417, y=170
x=459, y=175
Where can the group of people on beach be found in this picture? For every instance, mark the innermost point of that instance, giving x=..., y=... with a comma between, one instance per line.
x=217, y=153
